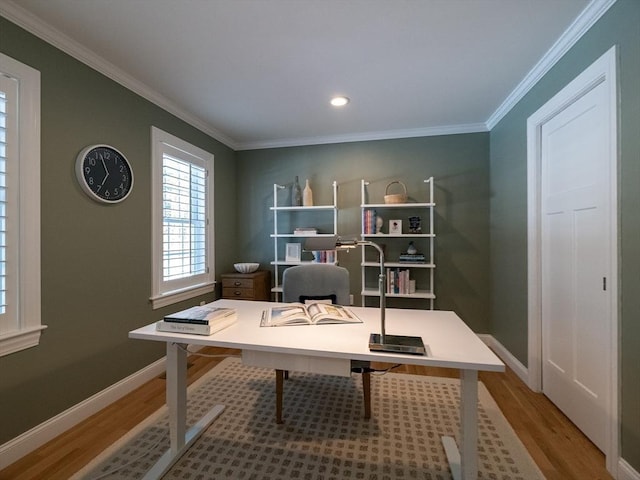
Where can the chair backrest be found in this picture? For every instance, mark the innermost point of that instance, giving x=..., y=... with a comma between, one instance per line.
x=315, y=280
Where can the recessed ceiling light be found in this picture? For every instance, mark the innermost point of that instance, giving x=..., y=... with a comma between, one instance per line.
x=339, y=101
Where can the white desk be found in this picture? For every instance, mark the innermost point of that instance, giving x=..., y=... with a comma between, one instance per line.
x=449, y=341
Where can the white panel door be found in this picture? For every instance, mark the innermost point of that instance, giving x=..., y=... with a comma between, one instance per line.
x=575, y=262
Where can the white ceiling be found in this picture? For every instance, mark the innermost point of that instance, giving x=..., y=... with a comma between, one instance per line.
x=259, y=73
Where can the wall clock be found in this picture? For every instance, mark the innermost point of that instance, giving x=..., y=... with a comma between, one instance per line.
x=104, y=173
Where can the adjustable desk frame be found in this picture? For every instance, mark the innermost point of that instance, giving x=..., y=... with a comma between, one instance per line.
x=328, y=349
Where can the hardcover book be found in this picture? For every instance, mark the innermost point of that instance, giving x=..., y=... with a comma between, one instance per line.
x=201, y=315
x=313, y=314
x=195, y=328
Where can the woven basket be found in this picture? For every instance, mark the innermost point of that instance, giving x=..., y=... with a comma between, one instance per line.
x=395, y=197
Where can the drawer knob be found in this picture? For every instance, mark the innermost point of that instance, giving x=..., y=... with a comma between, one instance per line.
x=237, y=283
x=237, y=293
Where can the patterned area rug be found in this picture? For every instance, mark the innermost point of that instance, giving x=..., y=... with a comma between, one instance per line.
x=324, y=436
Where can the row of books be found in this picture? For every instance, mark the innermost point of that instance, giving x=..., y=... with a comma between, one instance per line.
x=200, y=320
x=369, y=221
x=324, y=256
x=399, y=281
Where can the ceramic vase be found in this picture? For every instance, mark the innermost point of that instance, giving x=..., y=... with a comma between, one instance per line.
x=307, y=195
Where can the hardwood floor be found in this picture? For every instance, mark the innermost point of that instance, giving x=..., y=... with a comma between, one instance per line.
x=561, y=451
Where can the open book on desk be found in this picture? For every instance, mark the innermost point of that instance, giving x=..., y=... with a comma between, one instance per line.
x=312, y=314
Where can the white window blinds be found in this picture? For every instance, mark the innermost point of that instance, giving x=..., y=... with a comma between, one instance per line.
x=184, y=219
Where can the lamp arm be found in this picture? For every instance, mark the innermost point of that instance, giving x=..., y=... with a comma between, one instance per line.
x=382, y=280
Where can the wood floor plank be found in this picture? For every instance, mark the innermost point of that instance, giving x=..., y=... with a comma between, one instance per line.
x=559, y=449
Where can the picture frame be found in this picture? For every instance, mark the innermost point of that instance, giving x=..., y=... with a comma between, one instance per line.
x=395, y=227
x=292, y=252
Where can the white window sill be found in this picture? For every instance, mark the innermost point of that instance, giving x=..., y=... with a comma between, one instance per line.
x=20, y=340
x=169, y=298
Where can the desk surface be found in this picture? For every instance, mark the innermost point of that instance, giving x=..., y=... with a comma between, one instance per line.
x=450, y=342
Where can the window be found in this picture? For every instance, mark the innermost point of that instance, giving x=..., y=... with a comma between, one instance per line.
x=20, y=313
x=182, y=223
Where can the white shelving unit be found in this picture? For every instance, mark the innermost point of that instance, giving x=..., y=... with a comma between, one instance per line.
x=285, y=220
x=423, y=241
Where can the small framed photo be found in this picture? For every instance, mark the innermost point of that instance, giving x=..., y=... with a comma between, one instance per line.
x=292, y=253
x=395, y=227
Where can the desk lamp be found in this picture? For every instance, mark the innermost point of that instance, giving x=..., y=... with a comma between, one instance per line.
x=379, y=342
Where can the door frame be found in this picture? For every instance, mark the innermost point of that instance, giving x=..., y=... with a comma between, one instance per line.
x=601, y=71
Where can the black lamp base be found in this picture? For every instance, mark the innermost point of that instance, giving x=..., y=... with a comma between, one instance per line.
x=397, y=344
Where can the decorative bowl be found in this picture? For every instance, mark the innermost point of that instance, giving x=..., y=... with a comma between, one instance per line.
x=246, y=267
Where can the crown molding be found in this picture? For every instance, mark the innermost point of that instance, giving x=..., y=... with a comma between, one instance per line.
x=37, y=27
x=590, y=15
x=366, y=136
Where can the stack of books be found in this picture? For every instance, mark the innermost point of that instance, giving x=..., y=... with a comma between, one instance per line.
x=411, y=258
x=201, y=320
x=305, y=231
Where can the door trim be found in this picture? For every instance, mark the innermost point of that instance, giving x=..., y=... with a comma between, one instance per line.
x=601, y=71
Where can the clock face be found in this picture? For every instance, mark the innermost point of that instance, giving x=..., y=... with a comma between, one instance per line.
x=104, y=173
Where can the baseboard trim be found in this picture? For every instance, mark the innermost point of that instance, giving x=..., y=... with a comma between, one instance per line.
x=26, y=443
x=506, y=356
x=626, y=471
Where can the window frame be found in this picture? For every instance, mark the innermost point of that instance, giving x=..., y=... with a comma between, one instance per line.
x=168, y=292
x=24, y=329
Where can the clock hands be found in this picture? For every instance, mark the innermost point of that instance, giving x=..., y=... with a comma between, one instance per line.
x=104, y=165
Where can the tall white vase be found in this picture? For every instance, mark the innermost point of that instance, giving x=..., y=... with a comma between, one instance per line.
x=307, y=195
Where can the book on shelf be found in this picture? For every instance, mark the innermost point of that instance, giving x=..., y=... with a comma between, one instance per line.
x=196, y=328
x=324, y=256
x=369, y=221
x=305, y=231
x=201, y=315
x=412, y=258
x=312, y=314
x=399, y=281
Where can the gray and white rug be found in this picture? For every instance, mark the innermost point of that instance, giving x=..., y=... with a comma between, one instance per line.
x=325, y=436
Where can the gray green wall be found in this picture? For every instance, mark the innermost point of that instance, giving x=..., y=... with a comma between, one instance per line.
x=96, y=261
x=480, y=221
x=619, y=26
x=459, y=165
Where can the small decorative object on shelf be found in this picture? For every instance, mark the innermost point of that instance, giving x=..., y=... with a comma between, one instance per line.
x=395, y=227
x=246, y=267
x=395, y=197
x=292, y=253
x=415, y=225
x=411, y=249
x=379, y=224
x=296, y=194
x=307, y=195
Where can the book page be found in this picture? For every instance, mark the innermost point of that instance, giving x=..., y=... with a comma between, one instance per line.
x=324, y=313
x=294, y=314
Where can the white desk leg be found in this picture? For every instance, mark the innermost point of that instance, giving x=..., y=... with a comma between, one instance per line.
x=464, y=462
x=181, y=439
x=177, y=395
